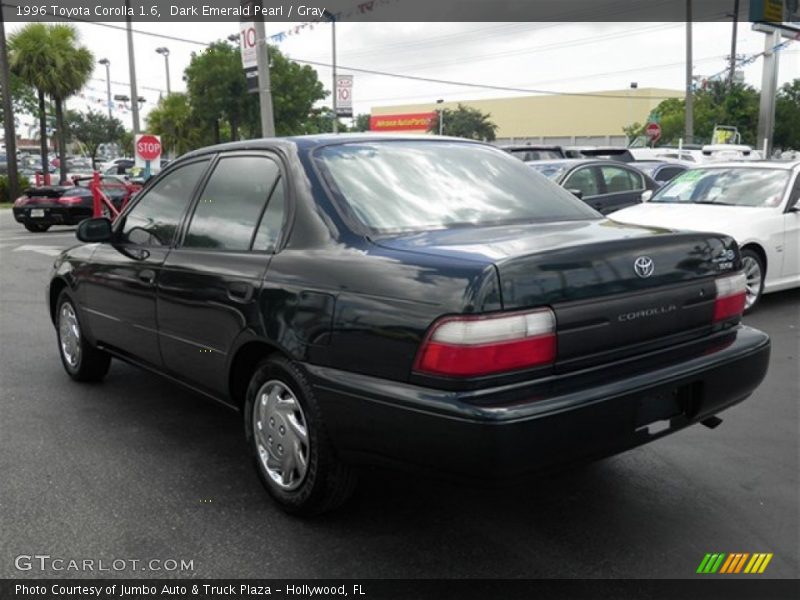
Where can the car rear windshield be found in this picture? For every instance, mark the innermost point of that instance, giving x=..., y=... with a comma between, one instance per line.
x=733, y=186
x=394, y=186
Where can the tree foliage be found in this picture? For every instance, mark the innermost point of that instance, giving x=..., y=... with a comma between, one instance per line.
x=219, y=103
x=179, y=127
x=93, y=129
x=787, y=117
x=23, y=98
x=465, y=122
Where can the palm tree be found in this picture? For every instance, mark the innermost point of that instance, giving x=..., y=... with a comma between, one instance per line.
x=31, y=59
x=75, y=65
x=48, y=58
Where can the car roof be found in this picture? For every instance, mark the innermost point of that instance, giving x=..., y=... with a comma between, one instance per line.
x=308, y=142
x=575, y=162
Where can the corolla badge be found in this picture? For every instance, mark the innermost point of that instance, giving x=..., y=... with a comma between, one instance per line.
x=644, y=266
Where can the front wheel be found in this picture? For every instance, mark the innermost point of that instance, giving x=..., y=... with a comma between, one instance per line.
x=287, y=439
x=81, y=360
x=754, y=271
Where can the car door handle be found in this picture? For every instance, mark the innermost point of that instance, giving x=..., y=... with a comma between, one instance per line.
x=240, y=291
x=147, y=276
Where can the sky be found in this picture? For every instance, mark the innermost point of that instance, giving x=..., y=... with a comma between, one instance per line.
x=552, y=57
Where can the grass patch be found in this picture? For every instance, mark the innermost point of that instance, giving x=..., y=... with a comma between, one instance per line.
x=6, y=205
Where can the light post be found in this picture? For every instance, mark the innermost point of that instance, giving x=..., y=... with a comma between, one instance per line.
x=441, y=116
x=165, y=52
x=107, y=64
x=132, y=68
x=634, y=85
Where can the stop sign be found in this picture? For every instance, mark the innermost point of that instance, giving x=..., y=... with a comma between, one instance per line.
x=653, y=131
x=148, y=147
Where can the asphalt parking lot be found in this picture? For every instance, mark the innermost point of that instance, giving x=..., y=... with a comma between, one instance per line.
x=137, y=468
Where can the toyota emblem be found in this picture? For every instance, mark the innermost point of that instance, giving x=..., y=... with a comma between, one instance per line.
x=644, y=266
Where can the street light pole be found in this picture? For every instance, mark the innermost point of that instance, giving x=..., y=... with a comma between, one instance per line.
x=132, y=67
x=165, y=52
x=441, y=116
x=107, y=63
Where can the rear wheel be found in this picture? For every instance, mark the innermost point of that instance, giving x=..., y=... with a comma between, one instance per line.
x=293, y=457
x=81, y=360
x=36, y=227
x=754, y=271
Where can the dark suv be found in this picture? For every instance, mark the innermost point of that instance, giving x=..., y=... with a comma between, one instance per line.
x=425, y=302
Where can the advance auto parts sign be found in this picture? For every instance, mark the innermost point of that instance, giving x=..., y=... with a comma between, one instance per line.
x=407, y=122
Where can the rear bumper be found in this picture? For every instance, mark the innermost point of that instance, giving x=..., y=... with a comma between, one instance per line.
x=53, y=215
x=510, y=431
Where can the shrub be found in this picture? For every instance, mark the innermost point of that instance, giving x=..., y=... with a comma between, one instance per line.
x=23, y=183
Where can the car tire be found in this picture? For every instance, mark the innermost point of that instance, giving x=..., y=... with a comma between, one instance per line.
x=81, y=360
x=755, y=271
x=286, y=437
x=37, y=227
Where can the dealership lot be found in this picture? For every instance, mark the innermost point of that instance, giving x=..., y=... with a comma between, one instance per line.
x=136, y=468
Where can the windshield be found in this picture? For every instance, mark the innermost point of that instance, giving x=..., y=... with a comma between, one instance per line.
x=732, y=186
x=419, y=185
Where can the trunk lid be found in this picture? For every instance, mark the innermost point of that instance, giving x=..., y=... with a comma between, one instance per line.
x=586, y=271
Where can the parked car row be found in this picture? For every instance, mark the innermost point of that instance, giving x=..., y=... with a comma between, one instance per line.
x=429, y=303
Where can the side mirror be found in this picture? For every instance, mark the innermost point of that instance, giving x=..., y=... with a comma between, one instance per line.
x=577, y=193
x=95, y=230
x=646, y=195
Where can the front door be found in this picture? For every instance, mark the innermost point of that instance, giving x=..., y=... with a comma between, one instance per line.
x=209, y=287
x=119, y=294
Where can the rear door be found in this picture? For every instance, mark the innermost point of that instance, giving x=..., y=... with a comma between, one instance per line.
x=622, y=187
x=209, y=289
x=119, y=293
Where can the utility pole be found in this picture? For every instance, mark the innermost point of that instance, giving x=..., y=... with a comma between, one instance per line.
x=689, y=133
x=107, y=63
x=8, y=115
x=132, y=66
x=769, y=86
x=441, y=116
x=264, y=83
x=732, y=74
x=333, y=89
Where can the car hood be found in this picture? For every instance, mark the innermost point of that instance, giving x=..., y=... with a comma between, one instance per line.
x=692, y=217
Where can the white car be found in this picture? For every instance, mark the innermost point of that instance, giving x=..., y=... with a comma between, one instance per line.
x=756, y=203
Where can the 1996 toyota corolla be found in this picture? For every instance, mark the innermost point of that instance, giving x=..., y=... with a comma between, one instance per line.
x=432, y=303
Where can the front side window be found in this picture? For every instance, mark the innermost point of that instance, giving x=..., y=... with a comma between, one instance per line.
x=584, y=181
x=228, y=210
x=619, y=180
x=155, y=218
x=394, y=186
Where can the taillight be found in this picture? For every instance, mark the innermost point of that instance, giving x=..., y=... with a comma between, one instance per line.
x=731, y=295
x=70, y=200
x=21, y=201
x=470, y=346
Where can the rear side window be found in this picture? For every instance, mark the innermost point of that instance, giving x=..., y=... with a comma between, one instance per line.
x=618, y=180
x=584, y=181
x=229, y=208
x=154, y=219
x=269, y=230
